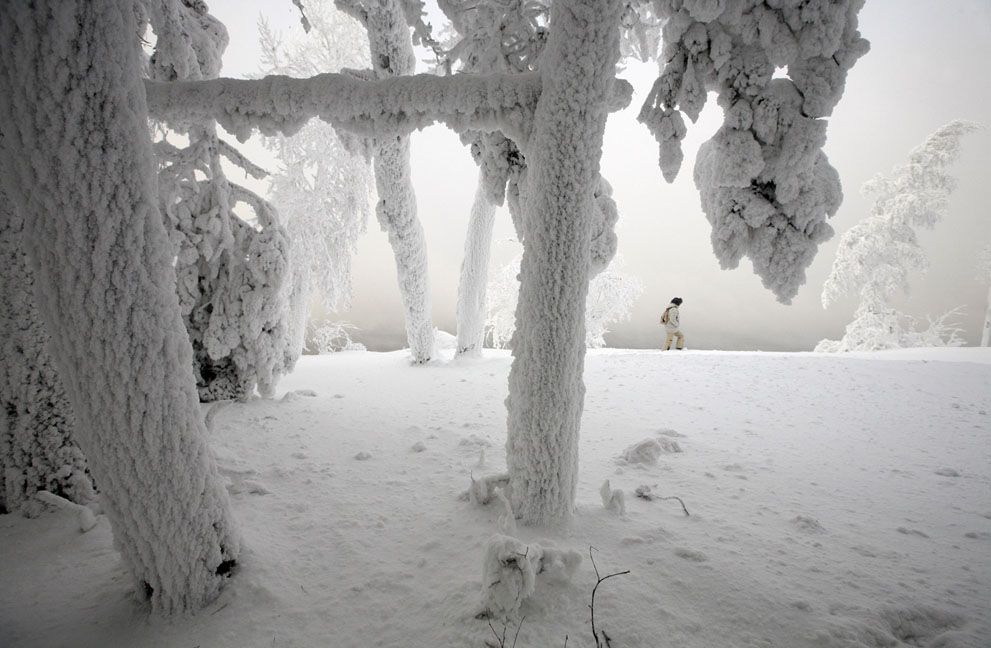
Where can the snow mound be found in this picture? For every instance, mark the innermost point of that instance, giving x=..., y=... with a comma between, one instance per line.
x=419, y=446
x=510, y=570
x=807, y=524
x=363, y=456
x=917, y=625
x=613, y=499
x=648, y=450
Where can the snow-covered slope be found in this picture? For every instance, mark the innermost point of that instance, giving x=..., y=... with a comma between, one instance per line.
x=835, y=501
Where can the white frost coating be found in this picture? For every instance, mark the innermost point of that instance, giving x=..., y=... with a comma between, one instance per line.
x=37, y=446
x=984, y=275
x=106, y=289
x=392, y=56
x=545, y=384
x=510, y=570
x=876, y=256
x=765, y=184
x=234, y=279
x=474, y=273
x=613, y=500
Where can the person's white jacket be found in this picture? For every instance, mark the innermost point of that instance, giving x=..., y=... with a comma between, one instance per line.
x=673, y=323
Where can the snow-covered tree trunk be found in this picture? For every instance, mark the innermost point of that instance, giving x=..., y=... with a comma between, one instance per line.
x=546, y=391
x=392, y=55
x=77, y=161
x=986, y=331
x=37, y=448
x=475, y=274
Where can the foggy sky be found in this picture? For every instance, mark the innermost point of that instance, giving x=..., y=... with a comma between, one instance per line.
x=927, y=66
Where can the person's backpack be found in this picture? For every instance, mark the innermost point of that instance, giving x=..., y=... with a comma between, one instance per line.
x=664, y=317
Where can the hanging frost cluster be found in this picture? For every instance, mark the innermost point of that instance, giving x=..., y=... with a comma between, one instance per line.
x=876, y=256
x=765, y=184
x=233, y=276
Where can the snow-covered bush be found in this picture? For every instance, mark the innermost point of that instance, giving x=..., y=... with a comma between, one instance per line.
x=331, y=337
x=876, y=256
x=38, y=451
x=233, y=276
x=611, y=296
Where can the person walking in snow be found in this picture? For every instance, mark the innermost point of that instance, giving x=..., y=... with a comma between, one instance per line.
x=672, y=324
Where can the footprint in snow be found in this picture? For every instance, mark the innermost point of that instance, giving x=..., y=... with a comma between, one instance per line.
x=947, y=472
x=907, y=531
x=419, y=446
x=691, y=555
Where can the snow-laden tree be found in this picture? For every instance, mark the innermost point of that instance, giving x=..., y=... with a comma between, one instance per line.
x=322, y=190
x=78, y=166
x=556, y=116
x=766, y=186
x=984, y=276
x=876, y=256
x=37, y=446
x=611, y=296
x=391, y=53
x=234, y=275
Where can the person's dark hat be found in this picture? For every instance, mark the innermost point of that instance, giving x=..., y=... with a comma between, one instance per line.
x=676, y=301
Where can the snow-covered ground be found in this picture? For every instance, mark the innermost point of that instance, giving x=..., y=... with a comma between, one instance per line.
x=835, y=502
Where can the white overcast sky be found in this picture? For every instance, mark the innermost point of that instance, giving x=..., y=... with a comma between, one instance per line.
x=928, y=65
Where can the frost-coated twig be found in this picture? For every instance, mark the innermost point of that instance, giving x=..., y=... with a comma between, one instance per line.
x=591, y=607
x=675, y=497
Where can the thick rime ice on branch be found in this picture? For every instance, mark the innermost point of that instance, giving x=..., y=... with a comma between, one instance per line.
x=765, y=184
x=370, y=107
x=78, y=165
x=392, y=56
x=37, y=448
x=876, y=256
x=233, y=277
x=545, y=384
x=322, y=190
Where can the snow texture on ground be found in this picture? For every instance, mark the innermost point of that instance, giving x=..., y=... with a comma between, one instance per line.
x=823, y=513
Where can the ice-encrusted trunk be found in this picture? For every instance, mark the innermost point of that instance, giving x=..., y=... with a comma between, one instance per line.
x=475, y=274
x=986, y=331
x=38, y=450
x=77, y=162
x=392, y=55
x=546, y=391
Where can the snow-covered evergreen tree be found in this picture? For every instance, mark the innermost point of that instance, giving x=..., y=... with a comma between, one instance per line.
x=37, y=446
x=77, y=164
x=234, y=276
x=392, y=55
x=323, y=190
x=876, y=256
x=984, y=276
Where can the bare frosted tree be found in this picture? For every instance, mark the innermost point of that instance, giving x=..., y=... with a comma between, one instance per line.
x=322, y=188
x=77, y=163
x=875, y=256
